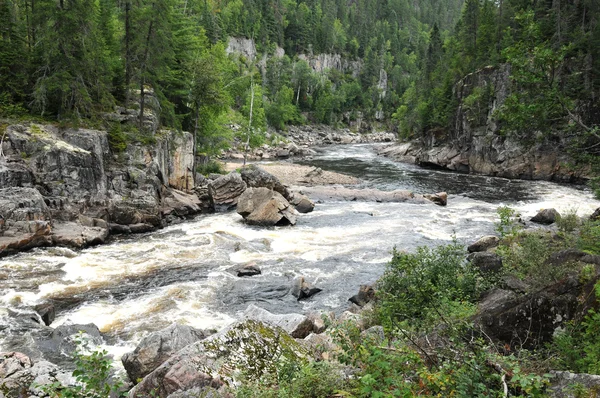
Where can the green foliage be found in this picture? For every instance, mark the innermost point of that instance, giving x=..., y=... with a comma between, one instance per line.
x=568, y=221
x=92, y=373
x=296, y=380
x=416, y=285
x=577, y=348
x=589, y=237
x=507, y=225
x=210, y=166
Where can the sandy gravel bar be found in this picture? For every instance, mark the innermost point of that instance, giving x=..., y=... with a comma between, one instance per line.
x=295, y=174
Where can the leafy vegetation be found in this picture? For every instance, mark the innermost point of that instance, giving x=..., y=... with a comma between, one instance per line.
x=92, y=373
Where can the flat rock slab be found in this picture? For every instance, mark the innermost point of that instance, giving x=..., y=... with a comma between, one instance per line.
x=362, y=195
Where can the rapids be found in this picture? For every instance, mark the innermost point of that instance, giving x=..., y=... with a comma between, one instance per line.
x=139, y=284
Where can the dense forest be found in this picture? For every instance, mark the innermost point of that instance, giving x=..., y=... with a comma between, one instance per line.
x=72, y=60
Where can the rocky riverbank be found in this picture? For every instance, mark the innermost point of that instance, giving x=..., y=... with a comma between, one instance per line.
x=182, y=361
x=298, y=141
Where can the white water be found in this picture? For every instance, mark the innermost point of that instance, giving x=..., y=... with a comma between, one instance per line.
x=140, y=284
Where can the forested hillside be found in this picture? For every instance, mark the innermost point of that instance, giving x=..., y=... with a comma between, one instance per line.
x=72, y=60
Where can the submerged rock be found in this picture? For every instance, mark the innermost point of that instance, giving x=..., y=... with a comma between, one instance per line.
x=302, y=289
x=248, y=270
x=156, y=348
x=440, y=198
x=248, y=347
x=262, y=206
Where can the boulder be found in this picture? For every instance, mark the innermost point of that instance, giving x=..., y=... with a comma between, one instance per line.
x=302, y=289
x=249, y=346
x=302, y=203
x=486, y=262
x=76, y=235
x=250, y=269
x=262, y=206
x=546, y=216
x=440, y=198
x=57, y=345
x=483, y=244
x=255, y=177
x=225, y=190
x=365, y=294
x=595, y=215
x=530, y=320
x=296, y=325
x=156, y=348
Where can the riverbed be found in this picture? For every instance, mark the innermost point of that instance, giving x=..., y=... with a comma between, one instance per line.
x=183, y=273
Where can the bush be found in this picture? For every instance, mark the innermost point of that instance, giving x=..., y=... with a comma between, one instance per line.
x=92, y=373
x=210, y=166
x=507, y=226
x=568, y=221
x=414, y=285
x=589, y=237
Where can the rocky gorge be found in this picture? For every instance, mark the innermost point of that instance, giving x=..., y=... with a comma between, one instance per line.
x=155, y=189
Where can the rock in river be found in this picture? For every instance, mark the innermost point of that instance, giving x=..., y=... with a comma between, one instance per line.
x=262, y=206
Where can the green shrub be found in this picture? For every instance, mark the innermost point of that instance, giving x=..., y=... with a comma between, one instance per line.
x=117, y=139
x=92, y=373
x=210, y=166
x=507, y=226
x=416, y=285
x=568, y=221
x=589, y=237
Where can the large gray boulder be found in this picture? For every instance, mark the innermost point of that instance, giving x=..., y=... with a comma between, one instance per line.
x=546, y=216
x=562, y=383
x=302, y=203
x=297, y=325
x=249, y=347
x=156, y=348
x=255, y=177
x=262, y=206
x=226, y=190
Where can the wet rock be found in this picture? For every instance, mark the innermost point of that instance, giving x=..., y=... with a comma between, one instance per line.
x=250, y=269
x=486, y=262
x=226, y=190
x=76, y=235
x=255, y=177
x=595, y=215
x=302, y=289
x=180, y=204
x=297, y=325
x=546, y=216
x=483, y=244
x=302, y=203
x=141, y=228
x=56, y=345
x=440, y=198
x=562, y=383
x=262, y=206
x=156, y=348
x=118, y=229
x=47, y=312
x=249, y=346
x=365, y=294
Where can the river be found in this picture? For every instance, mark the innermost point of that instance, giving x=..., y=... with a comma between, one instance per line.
x=139, y=284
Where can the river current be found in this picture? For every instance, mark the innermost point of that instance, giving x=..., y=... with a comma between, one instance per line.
x=139, y=284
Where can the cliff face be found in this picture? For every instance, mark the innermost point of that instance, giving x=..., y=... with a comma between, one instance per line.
x=474, y=143
x=64, y=186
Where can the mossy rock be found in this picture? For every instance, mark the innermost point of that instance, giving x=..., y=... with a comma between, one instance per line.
x=248, y=348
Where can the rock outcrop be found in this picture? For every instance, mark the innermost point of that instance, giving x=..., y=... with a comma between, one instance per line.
x=297, y=325
x=474, y=143
x=66, y=186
